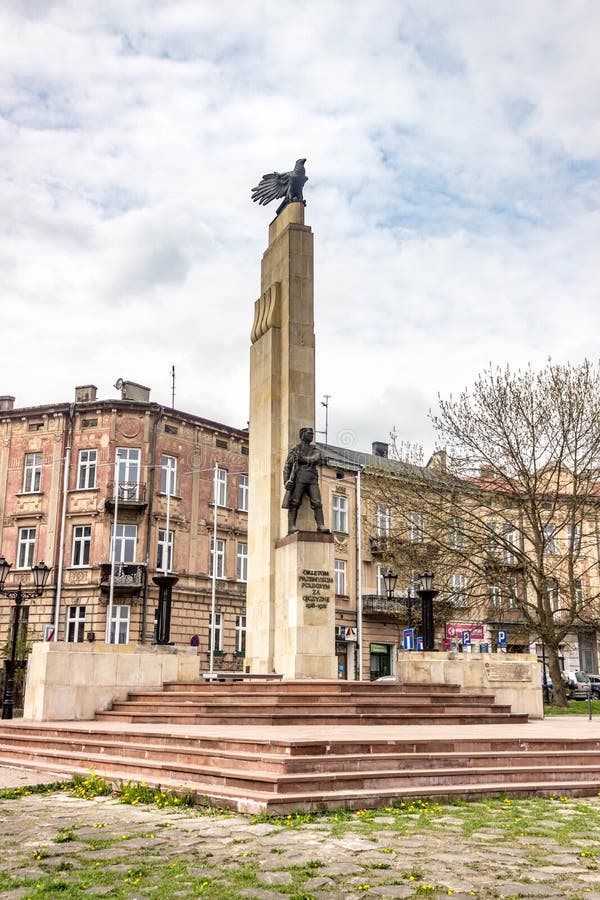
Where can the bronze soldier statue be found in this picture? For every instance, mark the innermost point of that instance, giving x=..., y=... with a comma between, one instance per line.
x=300, y=477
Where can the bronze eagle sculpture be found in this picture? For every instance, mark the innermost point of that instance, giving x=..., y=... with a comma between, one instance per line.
x=281, y=184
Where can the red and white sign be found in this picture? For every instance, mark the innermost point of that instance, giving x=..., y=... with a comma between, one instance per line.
x=454, y=631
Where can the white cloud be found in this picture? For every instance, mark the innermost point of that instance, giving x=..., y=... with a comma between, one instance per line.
x=453, y=192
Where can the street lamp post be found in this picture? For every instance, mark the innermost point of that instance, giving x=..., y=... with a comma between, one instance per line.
x=389, y=579
x=40, y=577
x=427, y=593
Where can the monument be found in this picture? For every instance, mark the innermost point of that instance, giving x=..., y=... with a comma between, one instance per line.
x=290, y=607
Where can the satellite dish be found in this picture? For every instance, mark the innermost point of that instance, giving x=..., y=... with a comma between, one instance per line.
x=119, y=384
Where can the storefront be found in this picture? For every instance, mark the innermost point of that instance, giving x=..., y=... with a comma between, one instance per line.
x=380, y=660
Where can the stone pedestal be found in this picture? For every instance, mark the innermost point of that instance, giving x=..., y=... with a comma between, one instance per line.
x=304, y=588
x=282, y=400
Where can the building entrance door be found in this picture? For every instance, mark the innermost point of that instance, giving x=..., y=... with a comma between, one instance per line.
x=380, y=660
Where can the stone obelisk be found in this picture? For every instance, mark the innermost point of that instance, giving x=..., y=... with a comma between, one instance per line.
x=290, y=623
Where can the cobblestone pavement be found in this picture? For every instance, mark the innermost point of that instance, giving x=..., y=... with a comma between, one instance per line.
x=100, y=847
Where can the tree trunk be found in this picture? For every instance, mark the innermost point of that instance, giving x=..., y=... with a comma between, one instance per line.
x=559, y=688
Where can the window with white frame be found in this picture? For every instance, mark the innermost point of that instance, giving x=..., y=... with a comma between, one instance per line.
x=495, y=594
x=128, y=472
x=340, y=513
x=125, y=543
x=553, y=593
x=75, y=629
x=574, y=537
x=86, y=470
x=32, y=473
x=383, y=521
x=549, y=540
x=458, y=586
x=240, y=634
x=119, y=624
x=513, y=592
x=82, y=542
x=243, y=493
x=219, y=572
x=221, y=487
x=25, y=548
x=379, y=582
x=217, y=632
x=164, y=554
x=415, y=526
x=168, y=475
x=339, y=576
x=509, y=539
x=455, y=533
x=241, y=568
x=491, y=537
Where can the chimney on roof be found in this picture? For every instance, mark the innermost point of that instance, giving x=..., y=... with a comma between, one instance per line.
x=379, y=448
x=137, y=392
x=86, y=393
x=7, y=402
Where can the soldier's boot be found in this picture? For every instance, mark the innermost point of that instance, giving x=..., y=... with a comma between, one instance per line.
x=292, y=515
x=320, y=520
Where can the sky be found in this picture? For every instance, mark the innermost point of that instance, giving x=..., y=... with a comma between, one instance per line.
x=453, y=161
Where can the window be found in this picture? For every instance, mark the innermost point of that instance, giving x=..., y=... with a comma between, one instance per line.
x=125, y=538
x=119, y=625
x=32, y=474
x=513, y=592
x=339, y=576
x=415, y=526
x=25, y=548
x=495, y=596
x=86, y=470
x=217, y=633
x=168, y=475
x=553, y=594
x=458, y=584
x=509, y=543
x=549, y=540
x=455, y=533
x=128, y=472
x=380, y=583
x=578, y=586
x=383, y=521
x=491, y=537
x=219, y=572
x=82, y=541
x=574, y=538
x=75, y=624
x=243, y=493
x=242, y=561
x=240, y=634
x=165, y=546
x=221, y=486
x=340, y=513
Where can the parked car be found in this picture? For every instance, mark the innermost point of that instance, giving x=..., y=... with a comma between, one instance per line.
x=578, y=684
x=595, y=682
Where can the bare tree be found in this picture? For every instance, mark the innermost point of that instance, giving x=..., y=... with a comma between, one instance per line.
x=508, y=509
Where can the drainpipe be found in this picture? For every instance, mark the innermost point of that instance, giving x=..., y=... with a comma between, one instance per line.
x=63, y=517
x=151, y=480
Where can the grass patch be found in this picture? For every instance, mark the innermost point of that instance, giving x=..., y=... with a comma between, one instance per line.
x=575, y=708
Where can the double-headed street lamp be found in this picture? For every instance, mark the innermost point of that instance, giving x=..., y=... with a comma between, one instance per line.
x=427, y=593
x=40, y=577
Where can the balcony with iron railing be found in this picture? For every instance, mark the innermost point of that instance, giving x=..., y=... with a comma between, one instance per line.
x=129, y=578
x=129, y=494
x=378, y=605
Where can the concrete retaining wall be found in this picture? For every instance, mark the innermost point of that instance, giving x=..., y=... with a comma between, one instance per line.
x=513, y=678
x=72, y=681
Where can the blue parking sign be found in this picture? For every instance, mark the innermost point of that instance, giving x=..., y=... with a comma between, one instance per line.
x=501, y=637
x=466, y=638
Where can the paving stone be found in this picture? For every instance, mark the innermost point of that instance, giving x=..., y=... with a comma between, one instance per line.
x=274, y=878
